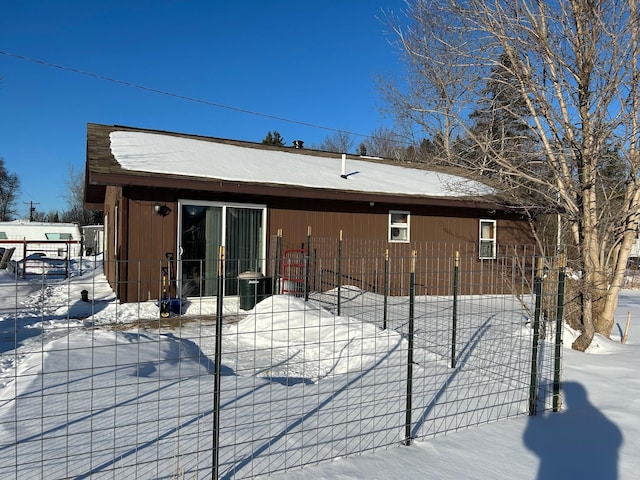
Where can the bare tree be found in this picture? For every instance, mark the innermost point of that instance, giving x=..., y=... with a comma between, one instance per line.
x=74, y=196
x=9, y=189
x=575, y=66
x=51, y=216
x=385, y=143
x=339, y=142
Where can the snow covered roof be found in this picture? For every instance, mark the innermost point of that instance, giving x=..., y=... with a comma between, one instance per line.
x=167, y=154
x=28, y=223
x=135, y=157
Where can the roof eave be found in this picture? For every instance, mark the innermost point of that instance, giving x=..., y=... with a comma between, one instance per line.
x=177, y=182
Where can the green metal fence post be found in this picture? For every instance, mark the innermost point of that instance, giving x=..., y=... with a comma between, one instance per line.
x=277, y=280
x=562, y=273
x=307, y=266
x=533, y=386
x=339, y=274
x=386, y=288
x=456, y=270
x=412, y=294
x=217, y=372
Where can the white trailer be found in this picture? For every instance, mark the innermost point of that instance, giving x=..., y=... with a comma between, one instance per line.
x=54, y=240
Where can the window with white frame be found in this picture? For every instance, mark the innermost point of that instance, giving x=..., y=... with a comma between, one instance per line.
x=487, y=239
x=398, y=226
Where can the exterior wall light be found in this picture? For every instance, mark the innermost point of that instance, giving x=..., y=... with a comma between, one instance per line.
x=160, y=209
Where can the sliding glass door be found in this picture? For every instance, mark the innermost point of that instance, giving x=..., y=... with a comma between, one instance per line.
x=203, y=228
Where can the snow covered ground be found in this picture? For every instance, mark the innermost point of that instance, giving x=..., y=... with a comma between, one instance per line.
x=597, y=435
x=57, y=350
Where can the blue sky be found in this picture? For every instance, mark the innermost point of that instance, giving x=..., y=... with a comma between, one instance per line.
x=314, y=62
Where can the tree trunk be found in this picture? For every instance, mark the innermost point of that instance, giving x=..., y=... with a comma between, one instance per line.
x=584, y=339
x=602, y=296
x=592, y=280
x=605, y=322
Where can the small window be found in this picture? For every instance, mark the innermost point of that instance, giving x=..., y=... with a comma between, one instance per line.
x=3, y=236
x=58, y=236
x=487, y=239
x=398, y=226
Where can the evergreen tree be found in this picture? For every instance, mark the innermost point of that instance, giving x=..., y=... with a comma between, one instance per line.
x=500, y=129
x=273, y=139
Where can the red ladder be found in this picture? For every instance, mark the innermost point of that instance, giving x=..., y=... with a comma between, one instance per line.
x=293, y=268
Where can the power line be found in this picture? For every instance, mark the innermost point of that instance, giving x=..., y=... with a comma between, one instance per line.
x=175, y=95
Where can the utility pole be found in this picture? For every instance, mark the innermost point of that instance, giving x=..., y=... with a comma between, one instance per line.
x=31, y=209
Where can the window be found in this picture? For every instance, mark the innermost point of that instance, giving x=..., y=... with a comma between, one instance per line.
x=487, y=239
x=398, y=226
x=58, y=236
x=3, y=235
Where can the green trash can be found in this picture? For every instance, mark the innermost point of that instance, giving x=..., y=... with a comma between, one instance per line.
x=251, y=286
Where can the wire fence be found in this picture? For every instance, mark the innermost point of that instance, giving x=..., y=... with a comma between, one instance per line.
x=324, y=357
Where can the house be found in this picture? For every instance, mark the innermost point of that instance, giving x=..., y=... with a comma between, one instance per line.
x=186, y=195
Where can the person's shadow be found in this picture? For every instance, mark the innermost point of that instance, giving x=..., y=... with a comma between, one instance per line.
x=580, y=442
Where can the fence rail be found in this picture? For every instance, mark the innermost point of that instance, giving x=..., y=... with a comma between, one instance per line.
x=373, y=352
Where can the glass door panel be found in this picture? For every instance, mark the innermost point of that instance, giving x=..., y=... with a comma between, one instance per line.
x=201, y=234
x=244, y=244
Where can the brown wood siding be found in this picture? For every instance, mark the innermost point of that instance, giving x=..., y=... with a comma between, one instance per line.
x=149, y=238
x=427, y=224
x=112, y=196
x=436, y=233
